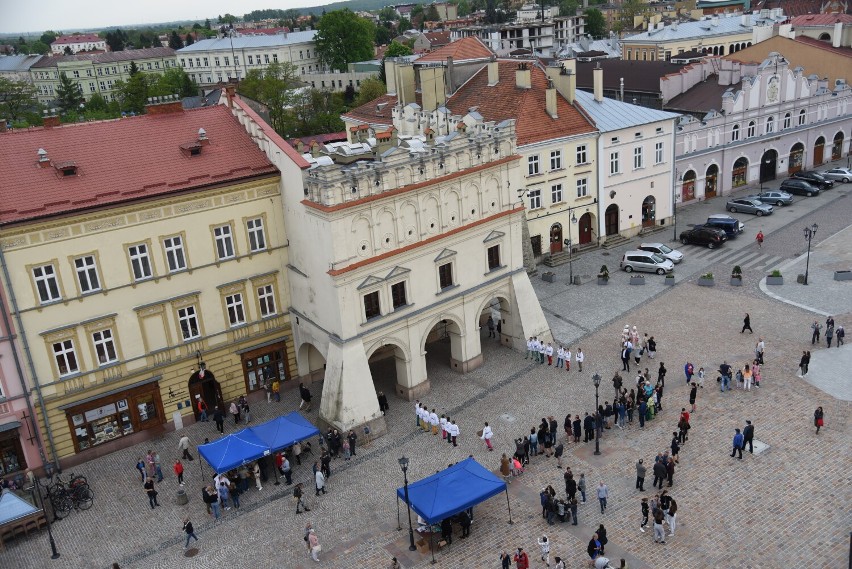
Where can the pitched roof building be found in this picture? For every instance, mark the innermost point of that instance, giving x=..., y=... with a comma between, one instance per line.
x=77, y=43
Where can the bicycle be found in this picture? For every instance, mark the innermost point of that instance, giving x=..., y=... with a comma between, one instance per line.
x=74, y=494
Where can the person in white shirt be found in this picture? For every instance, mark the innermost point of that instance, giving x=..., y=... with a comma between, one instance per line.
x=417, y=411
x=443, y=424
x=544, y=544
x=580, y=358
x=433, y=420
x=560, y=357
x=454, y=431
x=542, y=347
x=530, y=349
x=567, y=359
x=548, y=351
x=486, y=436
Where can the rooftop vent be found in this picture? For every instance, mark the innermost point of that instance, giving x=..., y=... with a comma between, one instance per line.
x=42, y=155
x=202, y=134
x=66, y=167
x=191, y=148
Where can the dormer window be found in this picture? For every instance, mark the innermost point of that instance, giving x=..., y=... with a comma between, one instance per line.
x=191, y=148
x=67, y=168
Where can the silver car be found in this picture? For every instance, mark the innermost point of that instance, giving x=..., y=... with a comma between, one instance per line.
x=776, y=197
x=748, y=205
x=646, y=261
x=838, y=174
x=663, y=250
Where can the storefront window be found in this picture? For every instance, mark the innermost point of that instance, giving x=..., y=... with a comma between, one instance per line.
x=264, y=366
x=114, y=417
x=147, y=408
x=11, y=454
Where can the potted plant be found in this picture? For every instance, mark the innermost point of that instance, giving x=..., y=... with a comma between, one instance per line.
x=843, y=275
x=706, y=280
x=775, y=278
x=637, y=279
x=737, y=276
x=669, y=280
x=603, y=275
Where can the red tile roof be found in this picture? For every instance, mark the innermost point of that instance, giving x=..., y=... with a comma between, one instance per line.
x=461, y=50
x=122, y=160
x=371, y=114
x=821, y=19
x=80, y=38
x=507, y=101
x=438, y=39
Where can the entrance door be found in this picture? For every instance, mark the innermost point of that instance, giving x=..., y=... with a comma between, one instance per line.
x=710, y=181
x=768, y=165
x=818, y=148
x=556, y=238
x=797, y=153
x=611, y=220
x=837, y=147
x=585, y=228
x=649, y=212
x=204, y=385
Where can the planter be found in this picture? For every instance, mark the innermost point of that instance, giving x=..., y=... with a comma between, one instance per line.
x=602, y=281
x=548, y=277
x=774, y=280
x=669, y=281
x=706, y=282
x=637, y=280
x=843, y=275
x=736, y=281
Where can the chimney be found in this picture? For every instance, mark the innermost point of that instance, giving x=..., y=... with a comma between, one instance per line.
x=715, y=21
x=838, y=35
x=493, y=72
x=2, y=125
x=564, y=80
x=745, y=20
x=43, y=160
x=432, y=88
x=621, y=90
x=390, y=75
x=522, y=76
x=230, y=91
x=202, y=137
x=165, y=105
x=51, y=119
x=597, y=75
x=550, y=99
x=450, y=80
x=404, y=83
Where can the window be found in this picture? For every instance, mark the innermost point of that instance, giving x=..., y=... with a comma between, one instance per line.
x=266, y=58
x=46, y=283
x=175, y=258
x=236, y=60
x=188, y=321
x=735, y=133
x=104, y=346
x=257, y=239
x=750, y=131
x=445, y=275
x=535, y=199
x=613, y=163
x=227, y=60
x=555, y=159
x=66, y=357
x=140, y=263
x=398, y=296
x=266, y=299
x=236, y=313
x=556, y=193
x=582, y=187
x=532, y=165
x=786, y=121
x=224, y=242
x=802, y=117
x=87, y=274
x=76, y=74
x=216, y=61
x=274, y=58
x=371, y=305
x=658, y=153
x=206, y=64
x=770, y=125
x=493, y=257
x=637, y=158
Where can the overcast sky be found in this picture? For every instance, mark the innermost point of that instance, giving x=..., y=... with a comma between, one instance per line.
x=17, y=16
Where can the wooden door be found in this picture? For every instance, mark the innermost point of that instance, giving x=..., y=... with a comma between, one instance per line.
x=556, y=238
x=585, y=228
x=611, y=220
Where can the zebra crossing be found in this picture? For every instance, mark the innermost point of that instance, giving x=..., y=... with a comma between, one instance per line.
x=747, y=258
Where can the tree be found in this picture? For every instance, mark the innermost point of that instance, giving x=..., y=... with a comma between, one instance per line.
x=349, y=94
x=463, y=8
x=207, y=24
x=312, y=111
x=397, y=49
x=48, y=37
x=228, y=19
x=384, y=34
x=629, y=9
x=371, y=89
x=133, y=93
x=189, y=39
x=343, y=37
x=595, y=23
x=431, y=14
x=568, y=7
x=67, y=50
x=38, y=46
x=174, y=40
x=388, y=14
x=15, y=98
x=69, y=95
x=173, y=81
x=116, y=40
x=273, y=87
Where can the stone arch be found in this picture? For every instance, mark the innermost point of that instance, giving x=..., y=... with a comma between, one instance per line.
x=768, y=165
x=446, y=327
x=386, y=357
x=796, y=159
x=739, y=172
x=837, y=146
x=387, y=228
x=497, y=305
x=311, y=361
x=711, y=181
x=819, y=147
x=362, y=236
x=688, y=186
x=453, y=211
x=649, y=211
x=825, y=37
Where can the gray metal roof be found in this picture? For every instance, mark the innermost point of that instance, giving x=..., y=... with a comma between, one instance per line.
x=11, y=63
x=725, y=25
x=239, y=42
x=609, y=115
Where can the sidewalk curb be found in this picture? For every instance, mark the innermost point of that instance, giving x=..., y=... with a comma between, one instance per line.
x=765, y=289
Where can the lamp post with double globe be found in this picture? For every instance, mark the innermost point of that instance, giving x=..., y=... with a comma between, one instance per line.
x=403, y=464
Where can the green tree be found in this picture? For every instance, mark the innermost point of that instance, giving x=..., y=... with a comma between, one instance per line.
x=595, y=23
x=371, y=89
x=189, y=39
x=96, y=103
x=116, y=40
x=38, y=46
x=67, y=50
x=173, y=81
x=463, y=7
x=312, y=111
x=384, y=34
x=397, y=49
x=568, y=7
x=174, y=40
x=228, y=19
x=133, y=93
x=343, y=37
x=629, y=9
x=48, y=37
x=68, y=94
x=273, y=87
x=207, y=24
x=15, y=98
x=196, y=26
x=388, y=14
x=431, y=14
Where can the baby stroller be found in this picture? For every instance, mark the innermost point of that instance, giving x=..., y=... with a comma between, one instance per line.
x=603, y=563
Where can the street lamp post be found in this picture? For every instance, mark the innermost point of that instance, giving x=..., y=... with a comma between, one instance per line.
x=597, y=381
x=403, y=464
x=37, y=485
x=809, y=234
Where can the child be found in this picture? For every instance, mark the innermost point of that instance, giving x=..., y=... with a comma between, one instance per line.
x=700, y=378
x=179, y=471
x=346, y=449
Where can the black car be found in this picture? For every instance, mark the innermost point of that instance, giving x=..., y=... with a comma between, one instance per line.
x=815, y=179
x=703, y=235
x=799, y=187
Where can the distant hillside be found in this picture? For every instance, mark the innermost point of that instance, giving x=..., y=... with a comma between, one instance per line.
x=355, y=6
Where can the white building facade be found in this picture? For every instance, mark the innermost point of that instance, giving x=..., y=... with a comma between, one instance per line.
x=77, y=43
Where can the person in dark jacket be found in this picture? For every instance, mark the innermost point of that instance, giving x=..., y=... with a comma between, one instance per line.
x=464, y=521
x=670, y=470
x=219, y=419
x=383, y=402
x=577, y=425
x=588, y=428
x=594, y=547
x=602, y=537
x=447, y=530
x=305, y=395
x=570, y=485
x=659, y=474
x=748, y=436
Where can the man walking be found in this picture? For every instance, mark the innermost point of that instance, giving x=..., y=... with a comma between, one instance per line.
x=660, y=474
x=748, y=436
x=738, y=444
x=487, y=433
x=759, y=348
x=840, y=334
x=305, y=395
x=603, y=494
x=491, y=327
x=189, y=530
x=297, y=496
x=580, y=358
x=816, y=327
x=640, y=476
x=183, y=444
x=219, y=419
x=725, y=371
x=747, y=324
x=644, y=515
x=151, y=492
x=672, y=516
x=616, y=385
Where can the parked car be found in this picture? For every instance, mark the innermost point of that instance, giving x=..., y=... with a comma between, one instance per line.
x=748, y=205
x=663, y=250
x=814, y=179
x=799, y=187
x=776, y=197
x=730, y=225
x=838, y=174
x=646, y=261
x=703, y=235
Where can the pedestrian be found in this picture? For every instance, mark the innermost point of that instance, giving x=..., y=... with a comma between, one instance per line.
x=276, y=390
x=224, y=495
x=755, y=373
x=548, y=352
x=581, y=486
x=490, y=325
x=738, y=444
x=257, y=481
x=661, y=373
x=189, y=530
x=454, y=432
x=314, y=545
x=297, y=496
x=644, y=515
x=594, y=547
x=829, y=335
x=219, y=419
x=840, y=334
x=530, y=351
x=693, y=393
x=818, y=419
x=505, y=560
x=672, y=516
x=580, y=358
x=544, y=545
x=567, y=358
x=559, y=563
x=759, y=239
x=319, y=478
x=588, y=428
x=465, y=522
x=748, y=436
x=816, y=327
x=558, y=451
x=183, y=445
x=603, y=494
x=747, y=324
x=287, y=470
x=235, y=411
x=158, y=467
x=688, y=371
x=640, y=476
x=659, y=532
x=625, y=356
x=643, y=409
x=246, y=412
x=207, y=498
x=616, y=385
x=725, y=377
x=202, y=408
x=149, y=463
x=151, y=492
x=660, y=474
x=576, y=426
x=140, y=466
x=178, y=468
x=499, y=329
x=670, y=470
x=570, y=484
x=759, y=349
x=487, y=433
x=267, y=387
x=560, y=357
x=747, y=377
x=602, y=538
x=700, y=376
x=522, y=560
x=305, y=397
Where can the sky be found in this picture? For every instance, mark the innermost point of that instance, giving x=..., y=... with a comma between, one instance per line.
x=19, y=16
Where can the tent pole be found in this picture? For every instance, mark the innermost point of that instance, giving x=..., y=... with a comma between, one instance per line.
x=432, y=544
x=398, y=524
x=509, y=505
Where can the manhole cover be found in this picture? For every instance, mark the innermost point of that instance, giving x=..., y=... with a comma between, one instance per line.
x=605, y=254
x=759, y=446
x=508, y=418
x=191, y=552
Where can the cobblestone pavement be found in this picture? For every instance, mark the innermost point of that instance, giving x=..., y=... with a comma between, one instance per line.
x=788, y=506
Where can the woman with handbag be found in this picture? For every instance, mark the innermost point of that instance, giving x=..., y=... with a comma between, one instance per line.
x=818, y=419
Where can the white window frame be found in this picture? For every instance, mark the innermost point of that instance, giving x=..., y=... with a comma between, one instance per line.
x=236, y=309
x=750, y=129
x=256, y=234
x=533, y=165
x=86, y=268
x=555, y=159
x=658, y=153
x=47, y=283
x=735, y=133
x=175, y=254
x=556, y=193
x=582, y=155
x=614, y=163
x=65, y=355
x=140, y=261
x=582, y=187
x=770, y=125
x=535, y=199
x=803, y=117
x=266, y=300
x=787, y=121
x=186, y=316
x=638, y=158
x=224, y=237
x=104, y=344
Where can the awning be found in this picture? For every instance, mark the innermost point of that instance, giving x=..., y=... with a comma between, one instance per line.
x=9, y=426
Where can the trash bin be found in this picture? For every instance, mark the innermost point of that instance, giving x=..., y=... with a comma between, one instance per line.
x=182, y=498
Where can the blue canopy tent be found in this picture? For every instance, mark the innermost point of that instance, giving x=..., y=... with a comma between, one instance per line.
x=451, y=491
x=282, y=432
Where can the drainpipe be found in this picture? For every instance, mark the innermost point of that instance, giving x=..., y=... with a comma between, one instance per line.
x=13, y=306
